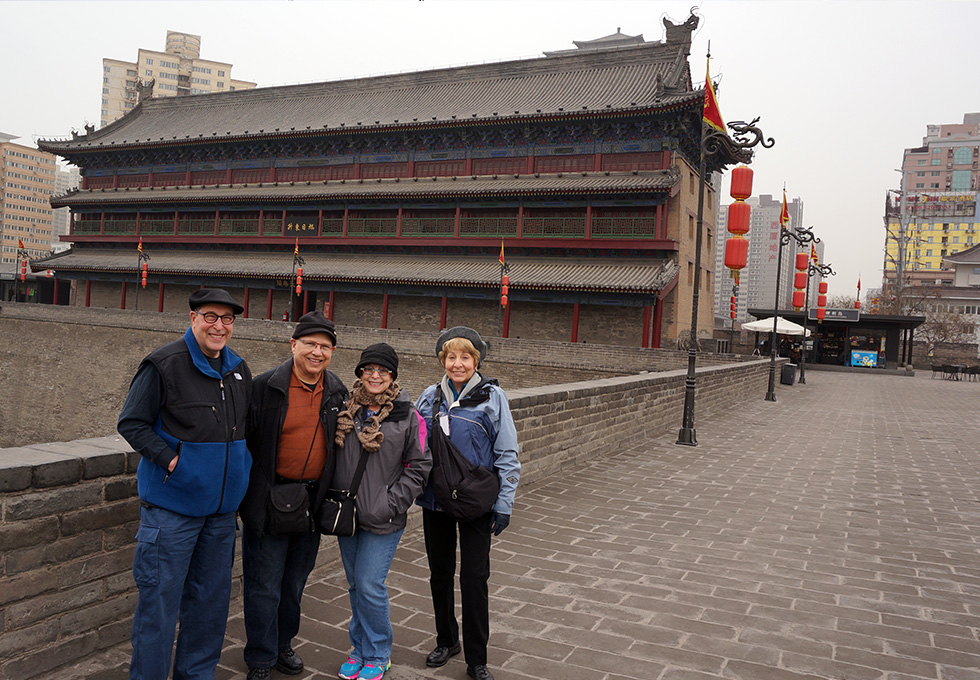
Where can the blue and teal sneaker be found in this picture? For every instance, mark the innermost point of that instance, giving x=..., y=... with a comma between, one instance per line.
x=371, y=672
x=351, y=669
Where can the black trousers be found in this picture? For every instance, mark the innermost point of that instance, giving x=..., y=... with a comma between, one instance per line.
x=474, y=572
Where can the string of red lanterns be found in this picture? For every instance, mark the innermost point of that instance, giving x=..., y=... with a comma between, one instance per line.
x=822, y=301
x=739, y=214
x=504, y=288
x=799, y=280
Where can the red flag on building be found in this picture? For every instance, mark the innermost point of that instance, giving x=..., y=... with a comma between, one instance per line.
x=784, y=213
x=501, y=254
x=712, y=114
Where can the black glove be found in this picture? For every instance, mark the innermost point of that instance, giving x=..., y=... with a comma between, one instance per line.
x=499, y=522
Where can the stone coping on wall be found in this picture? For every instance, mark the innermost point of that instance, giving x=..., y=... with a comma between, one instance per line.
x=585, y=355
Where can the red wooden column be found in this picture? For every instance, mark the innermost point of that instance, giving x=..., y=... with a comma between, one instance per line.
x=122, y=296
x=88, y=293
x=245, y=303
x=520, y=221
x=646, y=327
x=506, y=330
x=55, y=300
x=330, y=301
x=459, y=212
x=268, y=306
x=658, y=316
x=575, y=312
x=588, y=221
x=398, y=223
x=384, y=311
x=442, y=313
x=306, y=302
x=160, y=297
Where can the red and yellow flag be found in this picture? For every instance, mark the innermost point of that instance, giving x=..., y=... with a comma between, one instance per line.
x=296, y=249
x=813, y=253
x=501, y=254
x=139, y=247
x=784, y=213
x=712, y=114
x=20, y=244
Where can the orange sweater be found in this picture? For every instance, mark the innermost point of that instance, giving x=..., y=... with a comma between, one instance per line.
x=302, y=417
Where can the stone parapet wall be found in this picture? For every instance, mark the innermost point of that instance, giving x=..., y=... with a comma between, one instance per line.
x=69, y=512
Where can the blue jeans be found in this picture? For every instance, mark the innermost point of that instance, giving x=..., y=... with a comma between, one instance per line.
x=182, y=567
x=274, y=571
x=367, y=558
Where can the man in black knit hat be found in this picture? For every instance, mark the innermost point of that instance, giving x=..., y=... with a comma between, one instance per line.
x=291, y=438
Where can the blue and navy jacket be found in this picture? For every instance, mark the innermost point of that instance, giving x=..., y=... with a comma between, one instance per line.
x=482, y=428
x=202, y=417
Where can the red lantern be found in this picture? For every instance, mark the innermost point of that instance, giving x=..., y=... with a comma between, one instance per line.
x=821, y=313
x=733, y=314
x=857, y=304
x=739, y=215
x=799, y=280
x=741, y=183
x=503, y=300
x=802, y=261
x=821, y=301
x=822, y=288
x=733, y=300
x=299, y=279
x=799, y=297
x=23, y=270
x=736, y=252
x=143, y=277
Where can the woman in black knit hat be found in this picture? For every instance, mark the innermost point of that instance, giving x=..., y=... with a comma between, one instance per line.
x=379, y=418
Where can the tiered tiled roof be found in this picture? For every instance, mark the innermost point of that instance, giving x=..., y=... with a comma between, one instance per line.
x=647, y=76
x=592, y=183
x=584, y=274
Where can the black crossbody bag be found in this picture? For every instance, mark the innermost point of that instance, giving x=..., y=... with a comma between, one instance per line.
x=289, y=503
x=337, y=515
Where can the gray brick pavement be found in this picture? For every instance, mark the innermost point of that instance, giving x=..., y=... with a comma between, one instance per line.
x=833, y=534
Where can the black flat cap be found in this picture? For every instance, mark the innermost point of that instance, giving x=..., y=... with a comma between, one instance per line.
x=315, y=322
x=215, y=296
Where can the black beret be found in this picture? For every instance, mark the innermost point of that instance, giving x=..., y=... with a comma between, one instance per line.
x=215, y=296
x=481, y=345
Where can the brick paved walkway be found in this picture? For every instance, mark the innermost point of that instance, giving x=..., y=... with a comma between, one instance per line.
x=832, y=534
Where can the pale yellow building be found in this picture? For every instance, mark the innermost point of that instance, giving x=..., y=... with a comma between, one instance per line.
x=179, y=70
x=27, y=181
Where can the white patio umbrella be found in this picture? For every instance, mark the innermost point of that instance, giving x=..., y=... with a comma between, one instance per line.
x=783, y=326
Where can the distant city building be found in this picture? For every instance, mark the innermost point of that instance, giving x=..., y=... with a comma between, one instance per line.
x=758, y=280
x=937, y=215
x=27, y=181
x=177, y=71
x=65, y=180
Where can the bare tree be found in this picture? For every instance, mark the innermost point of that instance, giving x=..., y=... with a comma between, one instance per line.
x=840, y=302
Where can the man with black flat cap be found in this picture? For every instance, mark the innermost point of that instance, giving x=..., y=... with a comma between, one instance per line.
x=291, y=437
x=185, y=414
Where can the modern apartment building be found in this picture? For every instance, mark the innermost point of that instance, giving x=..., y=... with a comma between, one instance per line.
x=757, y=285
x=179, y=70
x=934, y=213
x=27, y=181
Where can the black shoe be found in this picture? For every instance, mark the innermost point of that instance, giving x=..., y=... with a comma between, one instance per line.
x=440, y=656
x=259, y=674
x=479, y=672
x=289, y=662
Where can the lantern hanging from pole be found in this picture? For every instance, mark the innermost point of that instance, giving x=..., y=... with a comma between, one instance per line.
x=821, y=301
x=800, y=280
x=299, y=280
x=821, y=313
x=23, y=270
x=143, y=276
x=504, y=289
x=739, y=215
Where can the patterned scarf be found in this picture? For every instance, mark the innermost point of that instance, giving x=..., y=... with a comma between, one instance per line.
x=371, y=436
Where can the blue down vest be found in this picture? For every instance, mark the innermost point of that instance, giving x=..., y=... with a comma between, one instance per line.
x=202, y=418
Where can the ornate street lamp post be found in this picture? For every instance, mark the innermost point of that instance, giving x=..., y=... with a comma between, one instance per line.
x=23, y=256
x=737, y=148
x=823, y=270
x=802, y=236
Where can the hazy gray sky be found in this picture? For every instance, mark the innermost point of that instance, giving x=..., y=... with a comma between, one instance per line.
x=843, y=87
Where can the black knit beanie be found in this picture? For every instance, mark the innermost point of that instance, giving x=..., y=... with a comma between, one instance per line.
x=381, y=354
x=315, y=322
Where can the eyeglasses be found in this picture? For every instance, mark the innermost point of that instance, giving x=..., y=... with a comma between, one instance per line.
x=310, y=345
x=226, y=319
x=380, y=371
